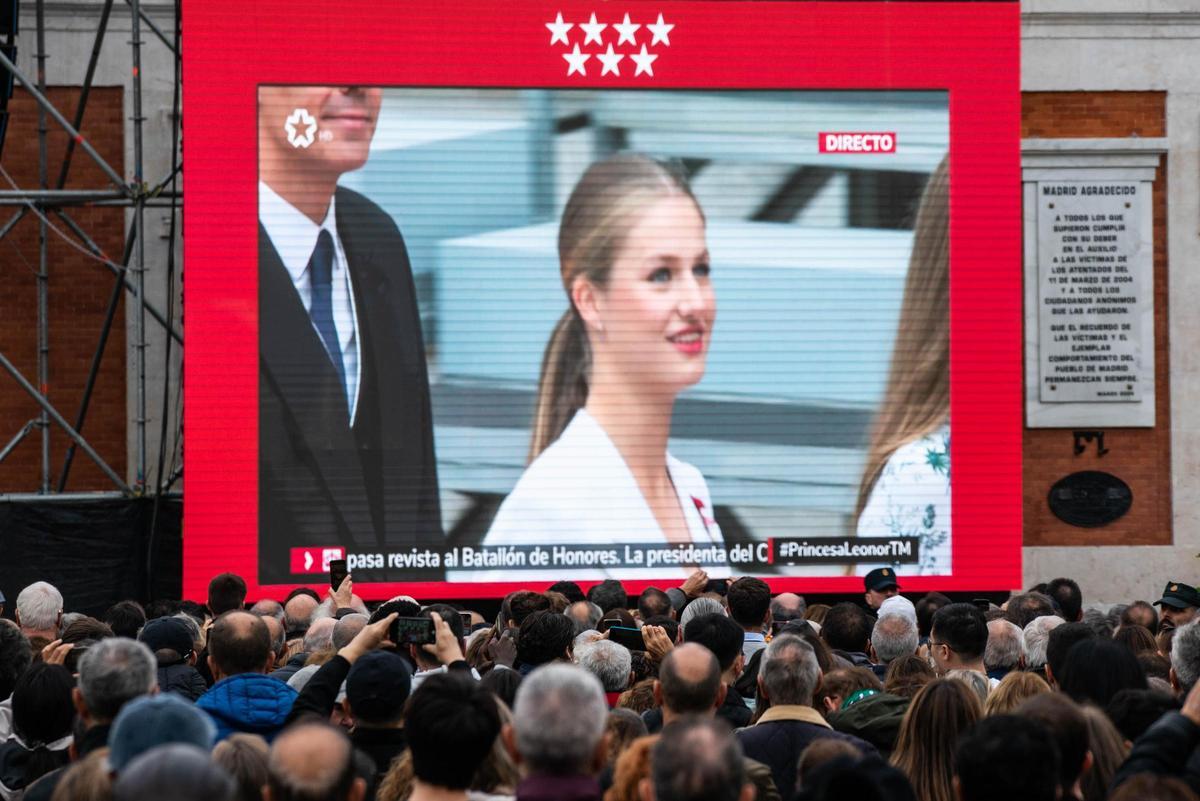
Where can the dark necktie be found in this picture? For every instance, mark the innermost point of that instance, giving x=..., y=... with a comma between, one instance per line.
x=320, y=269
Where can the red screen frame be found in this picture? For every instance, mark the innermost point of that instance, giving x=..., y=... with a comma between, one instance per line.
x=970, y=50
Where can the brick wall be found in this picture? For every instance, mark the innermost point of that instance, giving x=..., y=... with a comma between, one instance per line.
x=78, y=297
x=1139, y=456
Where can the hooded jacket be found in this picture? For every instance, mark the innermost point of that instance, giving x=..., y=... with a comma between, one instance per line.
x=182, y=679
x=875, y=719
x=248, y=702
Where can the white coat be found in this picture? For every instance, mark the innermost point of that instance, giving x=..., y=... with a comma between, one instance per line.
x=580, y=491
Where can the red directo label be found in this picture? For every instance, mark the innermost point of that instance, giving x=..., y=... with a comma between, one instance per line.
x=856, y=142
x=314, y=560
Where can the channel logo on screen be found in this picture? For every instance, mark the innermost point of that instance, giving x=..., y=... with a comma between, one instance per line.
x=856, y=142
x=314, y=560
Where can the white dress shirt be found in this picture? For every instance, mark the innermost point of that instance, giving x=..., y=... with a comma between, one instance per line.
x=294, y=236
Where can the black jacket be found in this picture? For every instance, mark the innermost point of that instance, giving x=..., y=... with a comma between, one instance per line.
x=1168, y=748
x=733, y=711
x=779, y=743
x=182, y=679
x=290, y=668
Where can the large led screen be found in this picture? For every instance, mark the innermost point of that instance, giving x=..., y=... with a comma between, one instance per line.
x=553, y=293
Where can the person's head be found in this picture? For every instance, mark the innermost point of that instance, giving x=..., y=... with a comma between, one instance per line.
x=268, y=607
x=452, y=618
x=1025, y=607
x=1012, y=692
x=634, y=264
x=892, y=637
x=1185, y=656
x=1004, y=757
x=451, y=723
x=719, y=634
x=1005, y=646
x=1065, y=592
x=906, y=675
x=959, y=637
x=1137, y=639
x=298, y=613
x=558, y=722
x=1134, y=711
x=1140, y=613
x=377, y=687
x=1179, y=603
x=347, y=629
x=226, y=592
x=545, y=637
x=607, y=661
x=312, y=762
x=653, y=602
x=344, y=115
x=916, y=400
x=939, y=714
x=749, y=602
x=818, y=753
x=1062, y=639
x=697, y=759
x=1036, y=637
x=585, y=614
x=319, y=636
x=1097, y=669
x=39, y=608
x=689, y=681
x=847, y=628
x=153, y=720
x=15, y=657
x=1098, y=622
x=1107, y=748
x=788, y=672
x=125, y=618
x=609, y=594
x=244, y=758
x=880, y=584
x=177, y=771
x=926, y=608
x=112, y=673
x=622, y=728
x=238, y=642
x=169, y=639
x=698, y=607
x=524, y=603
x=843, y=684
x=1153, y=787
x=1066, y=725
x=86, y=780
x=569, y=589
x=786, y=607
x=278, y=637
x=42, y=713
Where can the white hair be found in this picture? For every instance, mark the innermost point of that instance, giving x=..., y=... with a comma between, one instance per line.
x=559, y=718
x=1005, y=645
x=1185, y=654
x=319, y=636
x=976, y=682
x=1035, y=636
x=895, y=635
x=608, y=661
x=39, y=606
x=700, y=606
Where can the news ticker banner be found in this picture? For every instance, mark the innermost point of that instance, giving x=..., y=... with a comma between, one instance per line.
x=967, y=52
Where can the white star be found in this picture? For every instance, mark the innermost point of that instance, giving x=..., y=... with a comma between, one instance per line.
x=558, y=29
x=592, y=29
x=626, y=29
x=643, y=61
x=610, y=60
x=660, y=31
x=575, y=61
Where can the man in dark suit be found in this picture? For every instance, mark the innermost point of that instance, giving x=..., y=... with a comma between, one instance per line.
x=345, y=430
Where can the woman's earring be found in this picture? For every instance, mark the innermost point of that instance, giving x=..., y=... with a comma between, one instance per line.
x=600, y=331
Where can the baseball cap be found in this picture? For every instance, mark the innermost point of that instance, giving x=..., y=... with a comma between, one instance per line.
x=881, y=578
x=167, y=633
x=155, y=720
x=1179, y=595
x=378, y=685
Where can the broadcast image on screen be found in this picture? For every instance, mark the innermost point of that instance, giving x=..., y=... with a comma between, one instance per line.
x=524, y=334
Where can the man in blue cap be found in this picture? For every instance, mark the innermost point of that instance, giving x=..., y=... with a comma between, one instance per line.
x=1179, y=603
x=880, y=584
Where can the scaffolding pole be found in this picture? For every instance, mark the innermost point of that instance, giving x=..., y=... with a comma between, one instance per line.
x=139, y=245
x=43, y=276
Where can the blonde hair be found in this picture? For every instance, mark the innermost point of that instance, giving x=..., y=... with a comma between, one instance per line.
x=86, y=780
x=602, y=208
x=1012, y=690
x=917, y=398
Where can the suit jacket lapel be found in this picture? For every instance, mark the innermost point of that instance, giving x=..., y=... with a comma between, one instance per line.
x=295, y=362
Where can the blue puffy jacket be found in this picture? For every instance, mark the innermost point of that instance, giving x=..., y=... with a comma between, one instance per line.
x=250, y=703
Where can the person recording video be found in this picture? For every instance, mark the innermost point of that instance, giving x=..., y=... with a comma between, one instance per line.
x=346, y=453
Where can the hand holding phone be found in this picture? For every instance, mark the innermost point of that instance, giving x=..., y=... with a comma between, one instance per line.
x=337, y=572
x=630, y=638
x=411, y=631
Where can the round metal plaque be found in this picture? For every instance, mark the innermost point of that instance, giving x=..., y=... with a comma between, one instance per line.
x=1090, y=498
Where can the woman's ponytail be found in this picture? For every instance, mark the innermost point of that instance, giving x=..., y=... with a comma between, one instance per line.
x=563, y=388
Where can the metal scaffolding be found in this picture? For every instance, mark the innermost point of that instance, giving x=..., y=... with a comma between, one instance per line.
x=55, y=209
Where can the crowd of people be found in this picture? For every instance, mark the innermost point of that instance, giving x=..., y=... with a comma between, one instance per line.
x=714, y=690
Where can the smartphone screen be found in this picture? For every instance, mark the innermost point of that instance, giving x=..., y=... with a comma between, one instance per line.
x=411, y=631
x=630, y=638
x=466, y=621
x=337, y=572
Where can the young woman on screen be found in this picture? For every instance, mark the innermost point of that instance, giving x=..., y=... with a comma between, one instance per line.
x=905, y=489
x=634, y=263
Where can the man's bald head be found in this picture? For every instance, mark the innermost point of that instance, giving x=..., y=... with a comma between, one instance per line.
x=298, y=613
x=320, y=635
x=239, y=642
x=312, y=760
x=690, y=680
x=278, y=636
